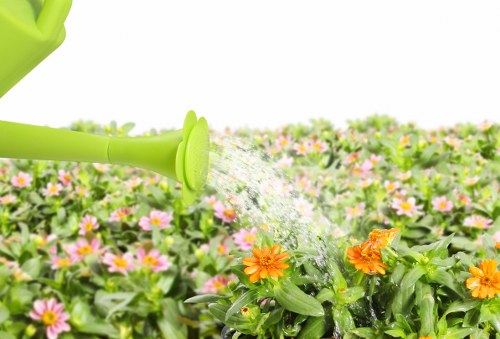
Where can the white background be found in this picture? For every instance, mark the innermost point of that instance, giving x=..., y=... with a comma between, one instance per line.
x=267, y=63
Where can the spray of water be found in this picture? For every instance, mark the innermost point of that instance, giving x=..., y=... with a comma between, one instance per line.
x=263, y=195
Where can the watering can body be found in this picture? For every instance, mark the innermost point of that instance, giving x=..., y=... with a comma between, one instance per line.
x=29, y=31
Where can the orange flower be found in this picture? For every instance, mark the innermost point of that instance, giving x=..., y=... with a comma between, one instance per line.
x=381, y=238
x=366, y=258
x=266, y=262
x=485, y=281
x=425, y=337
x=497, y=245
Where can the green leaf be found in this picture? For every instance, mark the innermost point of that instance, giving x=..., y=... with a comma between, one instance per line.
x=315, y=327
x=396, y=333
x=4, y=313
x=247, y=298
x=351, y=295
x=99, y=327
x=113, y=302
x=5, y=335
x=169, y=323
x=446, y=279
x=425, y=308
x=412, y=277
x=364, y=332
x=203, y=298
x=294, y=299
x=343, y=320
x=33, y=267
x=462, y=306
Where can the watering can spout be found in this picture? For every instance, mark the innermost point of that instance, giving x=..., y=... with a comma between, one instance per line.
x=181, y=155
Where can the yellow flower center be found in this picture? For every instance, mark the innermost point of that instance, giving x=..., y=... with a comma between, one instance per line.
x=218, y=285
x=479, y=223
x=149, y=260
x=221, y=249
x=21, y=181
x=53, y=189
x=406, y=206
x=84, y=250
x=442, y=204
x=88, y=226
x=49, y=318
x=302, y=148
x=63, y=262
x=120, y=262
x=245, y=311
x=155, y=221
x=390, y=186
x=354, y=210
x=250, y=238
x=266, y=261
x=229, y=213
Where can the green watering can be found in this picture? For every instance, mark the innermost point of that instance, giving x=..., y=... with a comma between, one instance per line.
x=29, y=31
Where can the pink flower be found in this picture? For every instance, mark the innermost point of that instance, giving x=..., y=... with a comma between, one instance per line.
x=283, y=141
x=79, y=250
x=88, y=224
x=211, y=200
x=404, y=176
x=153, y=259
x=8, y=199
x=21, y=180
x=478, y=221
x=356, y=211
x=319, y=146
x=216, y=284
x=284, y=162
x=304, y=207
x=471, y=181
x=133, y=183
x=42, y=242
x=222, y=248
x=52, y=315
x=464, y=200
x=406, y=207
x=58, y=262
x=120, y=264
x=391, y=186
x=302, y=182
x=120, y=214
x=245, y=239
x=442, y=204
x=82, y=191
x=351, y=158
x=52, y=190
x=224, y=213
x=366, y=167
x=101, y=168
x=64, y=177
x=302, y=148
x=160, y=219
x=404, y=141
x=375, y=159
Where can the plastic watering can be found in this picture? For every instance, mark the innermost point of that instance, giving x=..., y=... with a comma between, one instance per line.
x=29, y=31
x=181, y=155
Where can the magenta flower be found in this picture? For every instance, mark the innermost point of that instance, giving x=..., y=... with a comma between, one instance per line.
x=119, y=263
x=88, y=224
x=478, y=221
x=245, y=239
x=356, y=211
x=21, y=180
x=64, y=177
x=160, y=219
x=52, y=190
x=406, y=207
x=153, y=259
x=442, y=204
x=52, y=315
x=224, y=213
x=79, y=250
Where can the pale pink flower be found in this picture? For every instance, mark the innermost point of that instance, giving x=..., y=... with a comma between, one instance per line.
x=8, y=199
x=471, y=181
x=406, y=207
x=158, y=218
x=153, y=259
x=452, y=141
x=133, y=183
x=302, y=182
x=464, y=200
x=120, y=214
x=59, y=262
x=404, y=176
x=478, y=221
x=82, y=191
x=52, y=315
x=304, y=207
x=366, y=167
x=21, y=180
x=245, y=239
x=404, y=140
x=442, y=204
x=351, y=158
x=356, y=211
x=283, y=141
x=88, y=224
x=79, y=250
x=222, y=248
x=375, y=159
x=101, y=168
x=485, y=125
x=365, y=183
x=211, y=200
x=152, y=180
x=52, y=190
x=119, y=263
x=319, y=146
x=391, y=186
x=302, y=148
x=64, y=177
x=272, y=150
x=217, y=284
x=284, y=162
x=224, y=213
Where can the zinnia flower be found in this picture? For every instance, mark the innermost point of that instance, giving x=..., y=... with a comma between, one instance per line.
x=478, y=221
x=224, y=213
x=356, y=211
x=64, y=177
x=52, y=190
x=382, y=238
x=88, y=224
x=366, y=259
x=21, y=180
x=319, y=146
x=120, y=214
x=265, y=262
x=406, y=207
x=8, y=199
x=304, y=207
x=245, y=239
x=120, y=264
x=82, y=248
x=302, y=148
x=217, y=283
x=52, y=315
x=153, y=259
x=442, y=204
x=391, y=186
x=485, y=281
x=160, y=219
x=58, y=262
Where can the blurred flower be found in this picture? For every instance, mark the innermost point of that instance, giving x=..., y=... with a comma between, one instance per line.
x=471, y=181
x=283, y=141
x=119, y=263
x=120, y=214
x=153, y=259
x=478, y=221
x=160, y=219
x=88, y=224
x=304, y=207
x=485, y=281
x=485, y=125
x=245, y=239
x=381, y=238
x=211, y=200
x=8, y=199
x=21, y=180
x=52, y=315
x=464, y=200
x=391, y=186
x=302, y=182
x=265, y=262
x=82, y=191
x=77, y=251
x=356, y=211
x=404, y=140
x=351, y=158
x=404, y=176
x=217, y=284
x=319, y=146
x=406, y=207
x=302, y=148
x=284, y=162
x=133, y=183
x=101, y=168
x=58, y=262
x=64, y=177
x=375, y=159
x=224, y=213
x=52, y=190
x=442, y=204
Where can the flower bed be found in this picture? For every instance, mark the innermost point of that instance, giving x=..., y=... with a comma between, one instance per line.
x=97, y=251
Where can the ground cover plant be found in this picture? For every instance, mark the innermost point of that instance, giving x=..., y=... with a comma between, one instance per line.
x=412, y=251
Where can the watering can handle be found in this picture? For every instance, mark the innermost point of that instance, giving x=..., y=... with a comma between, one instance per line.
x=52, y=16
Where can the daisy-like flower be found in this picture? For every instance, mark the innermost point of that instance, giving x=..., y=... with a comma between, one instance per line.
x=224, y=213
x=88, y=224
x=404, y=140
x=82, y=191
x=303, y=182
x=52, y=190
x=283, y=141
x=133, y=183
x=211, y=200
x=64, y=177
x=319, y=146
x=485, y=281
x=245, y=239
x=471, y=181
x=366, y=259
x=478, y=221
x=153, y=259
x=59, y=262
x=302, y=148
x=21, y=180
x=356, y=211
x=485, y=125
x=8, y=199
x=404, y=176
x=160, y=219
x=351, y=158
x=120, y=214
x=406, y=207
x=79, y=250
x=442, y=204
x=452, y=141
x=284, y=162
x=119, y=263
x=52, y=315
x=265, y=262
x=391, y=186
x=375, y=159
x=464, y=200
x=304, y=207
x=101, y=168
x=217, y=284
x=222, y=248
